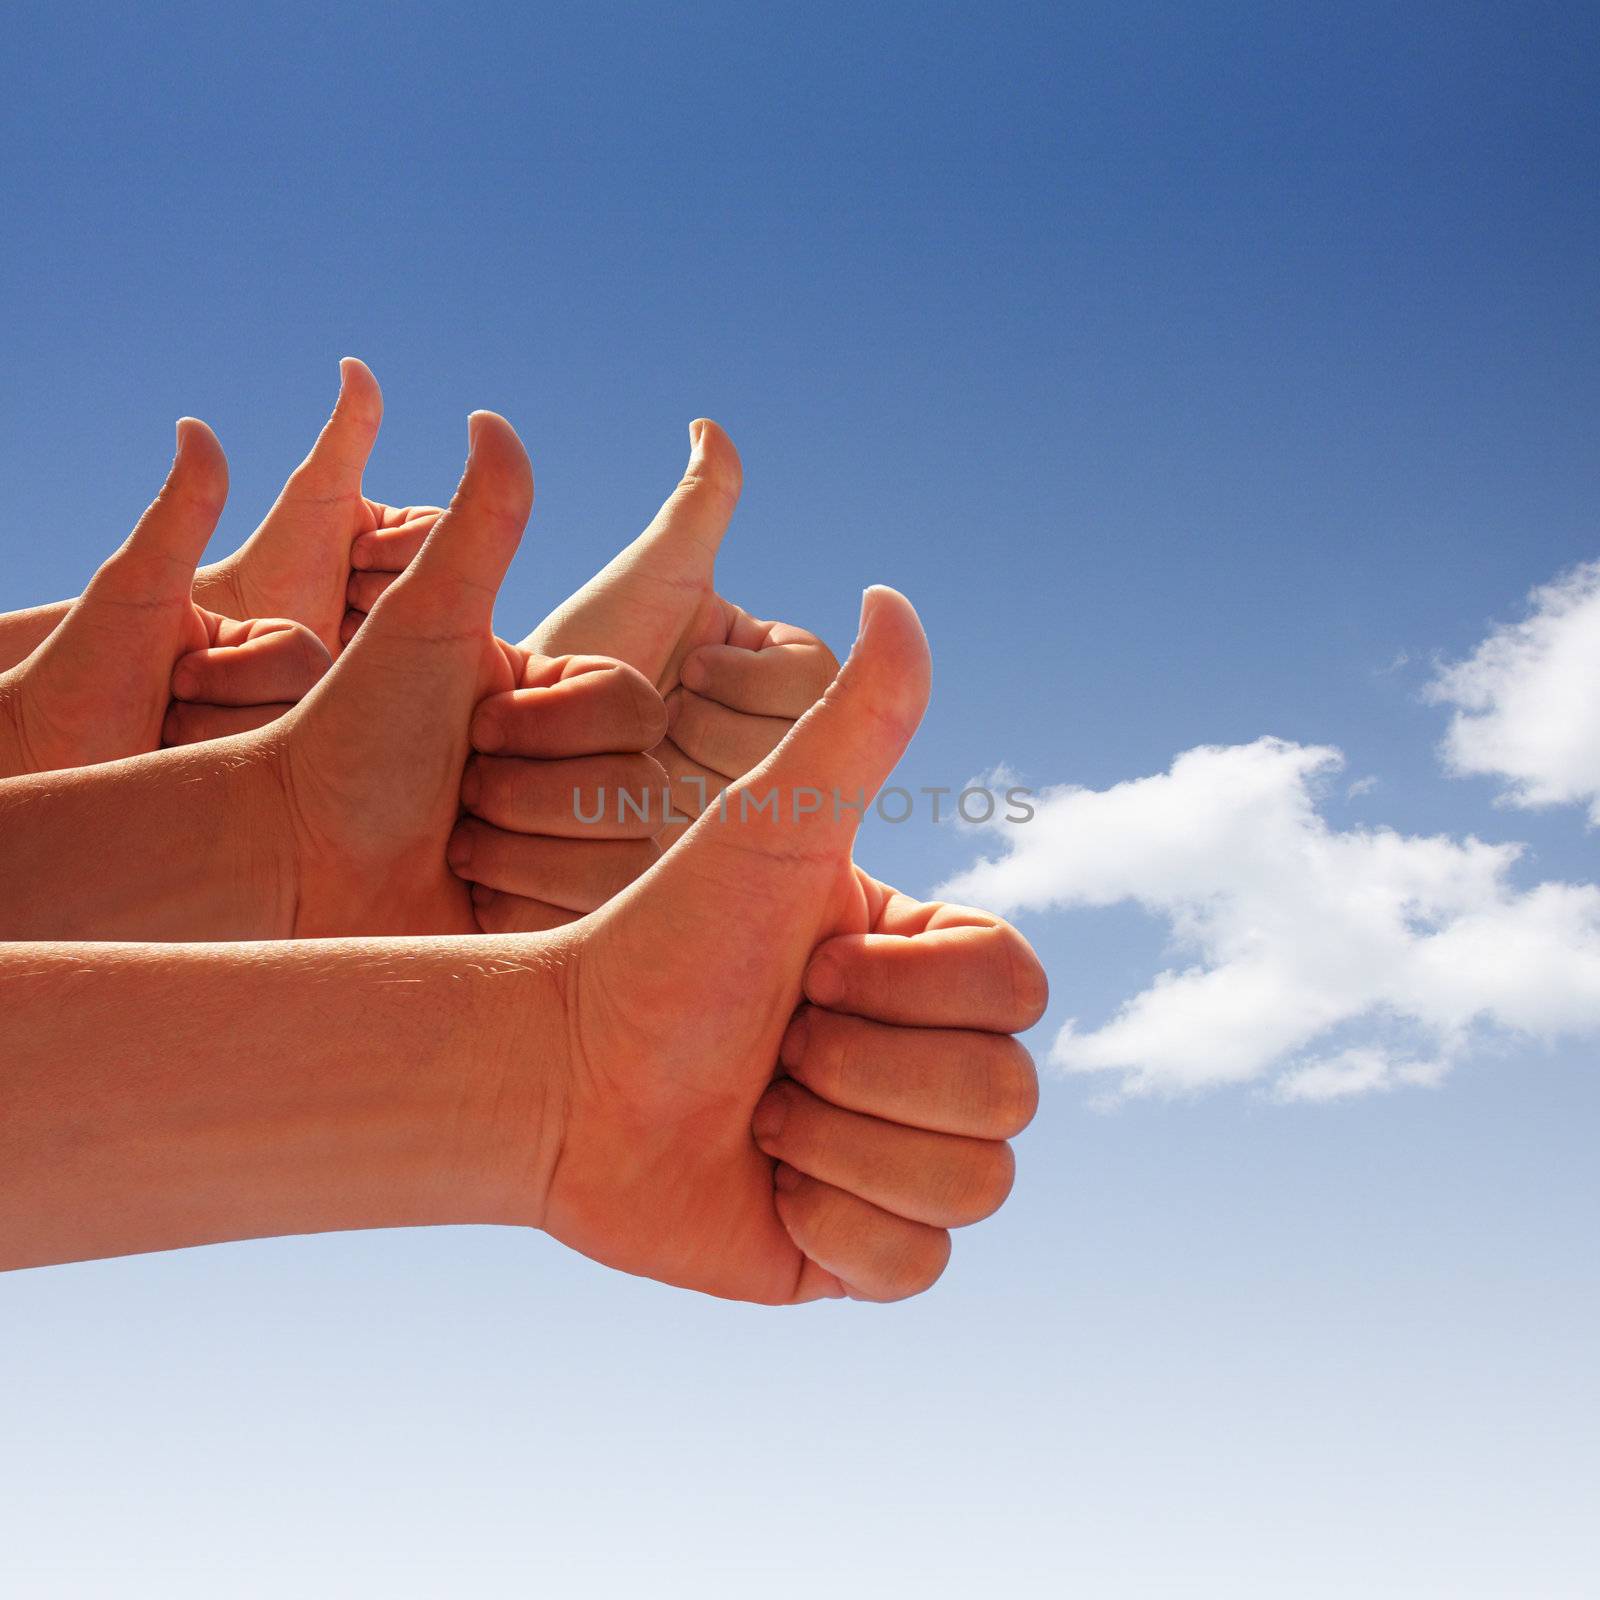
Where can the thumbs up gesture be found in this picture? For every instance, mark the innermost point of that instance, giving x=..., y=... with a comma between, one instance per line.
x=784, y=1080
x=135, y=662
x=733, y=684
x=374, y=767
x=300, y=562
x=337, y=818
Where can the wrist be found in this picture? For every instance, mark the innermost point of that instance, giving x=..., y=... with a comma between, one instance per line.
x=449, y=1108
x=512, y=1005
x=179, y=845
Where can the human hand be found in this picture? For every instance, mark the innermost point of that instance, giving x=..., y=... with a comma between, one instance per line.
x=679, y=1157
x=301, y=561
x=135, y=662
x=335, y=819
x=373, y=768
x=733, y=684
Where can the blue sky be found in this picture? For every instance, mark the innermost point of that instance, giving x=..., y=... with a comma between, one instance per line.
x=1202, y=373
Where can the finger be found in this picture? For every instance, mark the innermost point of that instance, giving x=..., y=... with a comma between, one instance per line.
x=449, y=589
x=691, y=787
x=699, y=510
x=333, y=469
x=513, y=913
x=155, y=566
x=778, y=835
x=136, y=617
x=366, y=589
x=405, y=689
x=193, y=724
x=937, y=1178
x=392, y=549
x=583, y=707
x=730, y=742
x=963, y=977
x=977, y=1085
x=283, y=665
x=590, y=797
x=576, y=874
x=843, y=749
x=348, y=624
x=873, y=1253
x=675, y=555
x=781, y=680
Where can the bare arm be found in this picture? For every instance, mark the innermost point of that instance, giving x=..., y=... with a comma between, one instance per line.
x=182, y=844
x=153, y=1096
x=22, y=632
x=612, y=1083
x=335, y=820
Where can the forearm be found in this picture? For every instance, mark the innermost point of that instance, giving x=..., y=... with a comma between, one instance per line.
x=181, y=844
x=153, y=1097
x=22, y=632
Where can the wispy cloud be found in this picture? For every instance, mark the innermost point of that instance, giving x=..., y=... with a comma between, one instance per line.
x=1528, y=700
x=1316, y=961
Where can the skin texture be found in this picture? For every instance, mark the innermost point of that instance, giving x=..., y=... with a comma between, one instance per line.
x=297, y=564
x=135, y=660
x=615, y=1082
x=336, y=820
x=685, y=987
x=733, y=685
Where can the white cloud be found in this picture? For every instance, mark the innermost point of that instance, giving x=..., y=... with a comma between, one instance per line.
x=1321, y=962
x=1528, y=700
x=1355, y=1071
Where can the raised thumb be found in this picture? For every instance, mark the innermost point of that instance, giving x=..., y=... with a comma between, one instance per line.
x=392, y=715
x=333, y=470
x=450, y=587
x=638, y=606
x=154, y=568
x=690, y=526
x=101, y=679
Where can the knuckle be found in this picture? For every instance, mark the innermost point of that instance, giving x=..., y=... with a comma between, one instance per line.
x=1029, y=988
x=648, y=712
x=629, y=702
x=797, y=1136
x=309, y=658
x=820, y=669
x=834, y=1057
x=653, y=779
x=1011, y=1087
x=981, y=1183
x=910, y=1262
x=507, y=789
x=639, y=776
x=710, y=480
x=824, y=1062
